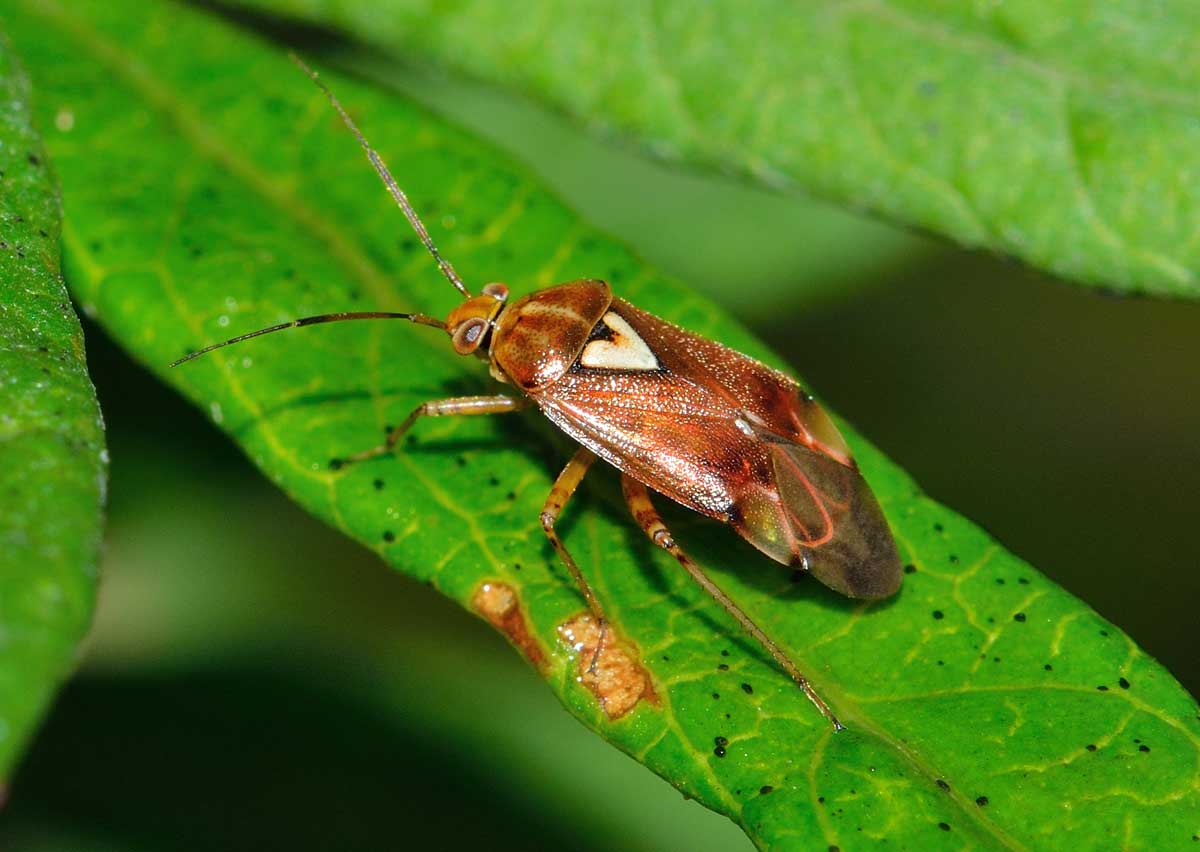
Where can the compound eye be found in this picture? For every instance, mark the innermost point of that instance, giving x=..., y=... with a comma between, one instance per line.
x=469, y=335
x=497, y=291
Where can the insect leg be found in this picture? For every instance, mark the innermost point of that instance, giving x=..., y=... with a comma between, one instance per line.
x=560, y=493
x=645, y=514
x=459, y=405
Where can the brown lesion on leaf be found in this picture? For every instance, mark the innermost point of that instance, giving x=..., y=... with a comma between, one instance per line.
x=498, y=603
x=614, y=675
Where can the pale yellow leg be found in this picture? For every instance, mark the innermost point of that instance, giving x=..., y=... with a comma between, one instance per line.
x=560, y=493
x=460, y=405
x=645, y=514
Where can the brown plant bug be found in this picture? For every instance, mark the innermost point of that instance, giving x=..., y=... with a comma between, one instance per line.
x=714, y=430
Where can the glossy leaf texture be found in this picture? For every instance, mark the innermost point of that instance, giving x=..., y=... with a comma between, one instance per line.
x=1061, y=133
x=52, y=465
x=986, y=707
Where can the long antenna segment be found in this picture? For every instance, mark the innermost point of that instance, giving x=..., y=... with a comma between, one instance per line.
x=420, y=319
x=388, y=181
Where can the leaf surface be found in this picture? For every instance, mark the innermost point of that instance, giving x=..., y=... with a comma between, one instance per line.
x=971, y=698
x=1062, y=133
x=52, y=470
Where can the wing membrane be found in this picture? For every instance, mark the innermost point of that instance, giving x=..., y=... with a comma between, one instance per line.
x=839, y=530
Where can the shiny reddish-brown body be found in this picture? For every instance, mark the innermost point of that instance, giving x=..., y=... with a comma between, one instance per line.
x=708, y=427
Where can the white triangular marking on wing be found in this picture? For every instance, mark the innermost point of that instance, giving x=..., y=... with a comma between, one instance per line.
x=626, y=351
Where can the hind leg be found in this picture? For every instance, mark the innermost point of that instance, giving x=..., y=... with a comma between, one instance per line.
x=645, y=514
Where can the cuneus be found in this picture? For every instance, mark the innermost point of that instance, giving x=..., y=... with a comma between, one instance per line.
x=704, y=425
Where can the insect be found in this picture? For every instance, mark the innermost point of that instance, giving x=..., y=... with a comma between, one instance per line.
x=702, y=424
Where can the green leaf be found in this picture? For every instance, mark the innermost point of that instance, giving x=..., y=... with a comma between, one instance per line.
x=972, y=699
x=52, y=463
x=1063, y=133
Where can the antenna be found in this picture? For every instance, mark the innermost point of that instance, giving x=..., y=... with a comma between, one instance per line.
x=388, y=180
x=421, y=319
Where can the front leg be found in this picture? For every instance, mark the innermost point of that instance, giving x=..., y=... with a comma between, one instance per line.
x=458, y=405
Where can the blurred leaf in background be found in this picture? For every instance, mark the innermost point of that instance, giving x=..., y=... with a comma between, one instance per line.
x=1063, y=134
x=52, y=468
x=815, y=329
